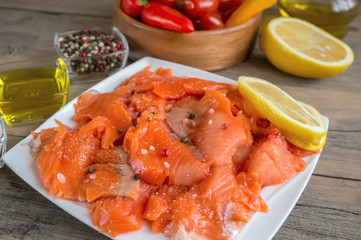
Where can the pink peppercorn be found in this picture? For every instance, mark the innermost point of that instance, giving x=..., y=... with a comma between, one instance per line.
x=166, y=153
x=120, y=46
x=224, y=126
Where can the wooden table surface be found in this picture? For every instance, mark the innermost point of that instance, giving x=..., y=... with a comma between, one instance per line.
x=330, y=206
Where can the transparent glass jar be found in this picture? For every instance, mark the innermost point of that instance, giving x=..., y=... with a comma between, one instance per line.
x=31, y=91
x=3, y=139
x=84, y=68
x=331, y=15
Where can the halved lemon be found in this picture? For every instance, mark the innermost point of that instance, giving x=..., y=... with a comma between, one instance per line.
x=301, y=124
x=303, y=49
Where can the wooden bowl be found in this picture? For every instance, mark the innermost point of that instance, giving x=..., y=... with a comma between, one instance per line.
x=208, y=50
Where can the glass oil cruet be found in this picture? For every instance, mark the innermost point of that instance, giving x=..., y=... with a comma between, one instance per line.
x=331, y=15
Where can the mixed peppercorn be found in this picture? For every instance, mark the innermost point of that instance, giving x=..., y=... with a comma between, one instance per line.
x=92, y=51
x=182, y=15
x=90, y=170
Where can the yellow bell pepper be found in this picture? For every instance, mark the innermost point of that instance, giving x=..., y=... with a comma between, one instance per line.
x=247, y=10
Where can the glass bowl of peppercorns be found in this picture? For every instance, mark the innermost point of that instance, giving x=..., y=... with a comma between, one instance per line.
x=92, y=53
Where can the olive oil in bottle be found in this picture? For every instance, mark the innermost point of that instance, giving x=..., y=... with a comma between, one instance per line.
x=31, y=95
x=331, y=15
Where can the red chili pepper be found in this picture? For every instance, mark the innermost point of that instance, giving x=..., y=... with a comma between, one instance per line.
x=211, y=21
x=225, y=5
x=159, y=15
x=197, y=8
x=169, y=3
x=133, y=7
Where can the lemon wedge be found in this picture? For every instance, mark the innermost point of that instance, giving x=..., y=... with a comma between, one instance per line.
x=300, y=124
x=306, y=145
x=302, y=49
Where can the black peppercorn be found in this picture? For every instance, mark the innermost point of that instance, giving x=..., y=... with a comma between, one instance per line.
x=185, y=139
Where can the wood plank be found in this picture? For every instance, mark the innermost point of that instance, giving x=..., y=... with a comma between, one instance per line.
x=309, y=222
x=328, y=209
x=29, y=35
x=102, y=8
x=341, y=155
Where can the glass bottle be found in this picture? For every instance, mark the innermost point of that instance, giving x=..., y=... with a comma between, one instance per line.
x=331, y=15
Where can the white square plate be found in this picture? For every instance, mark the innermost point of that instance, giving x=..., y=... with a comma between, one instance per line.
x=280, y=199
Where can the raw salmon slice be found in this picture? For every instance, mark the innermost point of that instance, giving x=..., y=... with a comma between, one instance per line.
x=211, y=127
x=212, y=208
x=299, y=152
x=62, y=162
x=249, y=193
x=177, y=88
x=92, y=104
x=150, y=102
x=144, y=80
x=270, y=161
x=196, y=86
x=64, y=159
x=116, y=215
x=103, y=129
x=107, y=105
x=139, y=78
x=237, y=101
x=115, y=155
x=159, y=205
x=110, y=180
x=156, y=155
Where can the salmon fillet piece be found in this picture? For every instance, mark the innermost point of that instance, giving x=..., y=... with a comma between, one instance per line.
x=148, y=101
x=116, y=215
x=159, y=209
x=177, y=88
x=212, y=129
x=270, y=161
x=216, y=208
x=110, y=180
x=62, y=162
x=147, y=146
